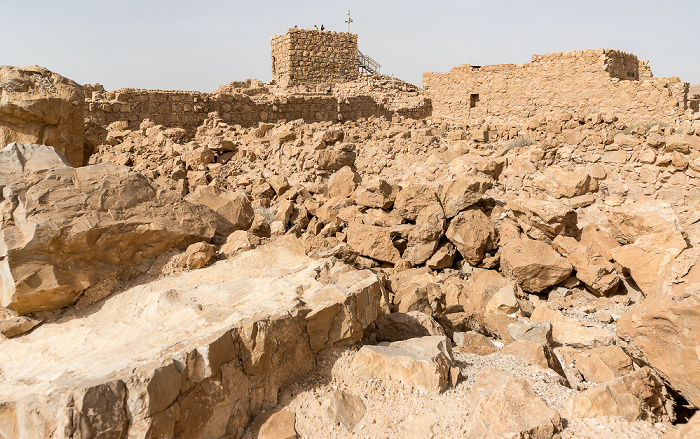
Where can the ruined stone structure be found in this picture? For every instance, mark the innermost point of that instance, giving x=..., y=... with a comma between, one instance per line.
x=584, y=82
x=313, y=60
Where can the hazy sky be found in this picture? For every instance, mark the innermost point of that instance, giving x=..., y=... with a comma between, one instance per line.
x=199, y=45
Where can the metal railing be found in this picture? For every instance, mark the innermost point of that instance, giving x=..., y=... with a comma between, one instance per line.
x=367, y=64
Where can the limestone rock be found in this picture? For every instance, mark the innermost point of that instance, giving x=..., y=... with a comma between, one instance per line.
x=685, y=431
x=443, y=257
x=531, y=330
x=646, y=260
x=503, y=302
x=235, y=330
x=234, y=209
x=418, y=427
x=374, y=193
x=67, y=228
x=634, y=396
x=541, y=219
x=559, y=183
x=534, y=354
x=424, y=238
x=412, y=199
x=662, y=330
x=277, y=425
x=592, y=269
x=235, y=242
x=42, y=107
x=473, y=234
x=533, y=264
x=425, y=363
x=505, y=406
x=343, y=182
x=567, y=331
x=196, y=256
x=15, y=326
x=343, y=408
x=334, y=159
x=458, y=195
x=402, y=326
x=374, y=242
x=473, y=343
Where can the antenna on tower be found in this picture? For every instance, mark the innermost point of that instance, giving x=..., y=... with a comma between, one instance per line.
x=349, y=20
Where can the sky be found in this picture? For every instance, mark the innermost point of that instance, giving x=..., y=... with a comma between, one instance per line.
x=200, y=45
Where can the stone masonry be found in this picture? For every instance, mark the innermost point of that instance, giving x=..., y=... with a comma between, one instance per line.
x=585, y=82
x=313, y=60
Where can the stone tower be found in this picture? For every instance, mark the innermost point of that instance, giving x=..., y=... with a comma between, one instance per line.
x=313, y=60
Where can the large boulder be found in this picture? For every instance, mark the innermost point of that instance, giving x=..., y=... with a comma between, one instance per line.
x=458, y=195
x=503, y=405
x=544, y=220
x=234, y=210
x=533, y=264
x=662, y=330
x=559, y=183
x=41, y=107
x=473, y=234
x=592, y=269
x=374, y=242
x=64, y=229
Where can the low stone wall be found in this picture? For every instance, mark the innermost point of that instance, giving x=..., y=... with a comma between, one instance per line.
x=188, y=109
x=586, y=82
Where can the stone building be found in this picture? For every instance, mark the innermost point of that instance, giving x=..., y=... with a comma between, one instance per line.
x=309, y=60
x=583, y=82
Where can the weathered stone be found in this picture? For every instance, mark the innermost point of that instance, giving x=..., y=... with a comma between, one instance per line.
x=425, y=363
x=402, y=326
x=541, y=219
x=277, y=425
x=567, y=331
x=333, y=160
x=458, y=195
x=66, y=228
x=592, y=269
x=662, y=330
x=531, y=330
x=342, y=408
x=343, y=182
x=412, y=199
x=505, y=406
x=374, y=242
x=418, y=427
x=534, y=354
x=424, y=238
x=260, y=226
x=503, y=302
x=196, y=256
x=685, y=431
x=473, y=234
x=374, y=194
x=235, y=242
x=533, y=264
x=443, y=257
x=559, y=183
x=473, y=343
x=233, y=329
x=234, y=209
x=14, y=326
x=633, y=396
x=42, y=107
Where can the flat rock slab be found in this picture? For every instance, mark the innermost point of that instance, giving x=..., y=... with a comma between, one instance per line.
x=193, y=355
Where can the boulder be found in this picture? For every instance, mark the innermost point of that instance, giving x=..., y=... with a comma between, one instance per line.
x=559, y=183
x=342, y=408
x=196, y=256
x=533, y=264
x=534, y=354
x=503, y=405
x=343, y=182
x=473, y=343
x=234, y=210
x=235, y=242
x=531, y=330
x=425, y=363
x=638, y=395
x=424, y=238
x=544, y=220
x=662, y=330
x=374, y=242
x=411, y=200
x=570, y=332
x=443, y=257
x=402, y=326
x=275, y=425
x=592, y=269
x=473, y=234
x=374, y=194
x=42, y=107
x=65, y=229
x=646, y=260
x=458, y=195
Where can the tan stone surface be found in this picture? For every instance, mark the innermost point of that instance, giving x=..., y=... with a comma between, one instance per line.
x=343, y=408
x=425, y=363
x=42, y=107
x=533, y=264
x=568, y=331
x=473, y=234
x=374, y=242
x=235, y=210
x=506, y=406
x=221, y=341
x=458, y=195
x=67, y=228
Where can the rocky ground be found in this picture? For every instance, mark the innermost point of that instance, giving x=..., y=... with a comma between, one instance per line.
x=370, y=278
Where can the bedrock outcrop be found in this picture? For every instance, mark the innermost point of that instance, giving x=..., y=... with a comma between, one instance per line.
x=190, y=356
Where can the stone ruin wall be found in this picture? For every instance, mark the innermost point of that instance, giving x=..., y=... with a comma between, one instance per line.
x=313, y=60
x=585, y=82
x=188, y=109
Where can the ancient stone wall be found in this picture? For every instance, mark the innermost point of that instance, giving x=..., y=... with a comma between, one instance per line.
x=188, y=109
x=586, y=82
x=313, y=60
